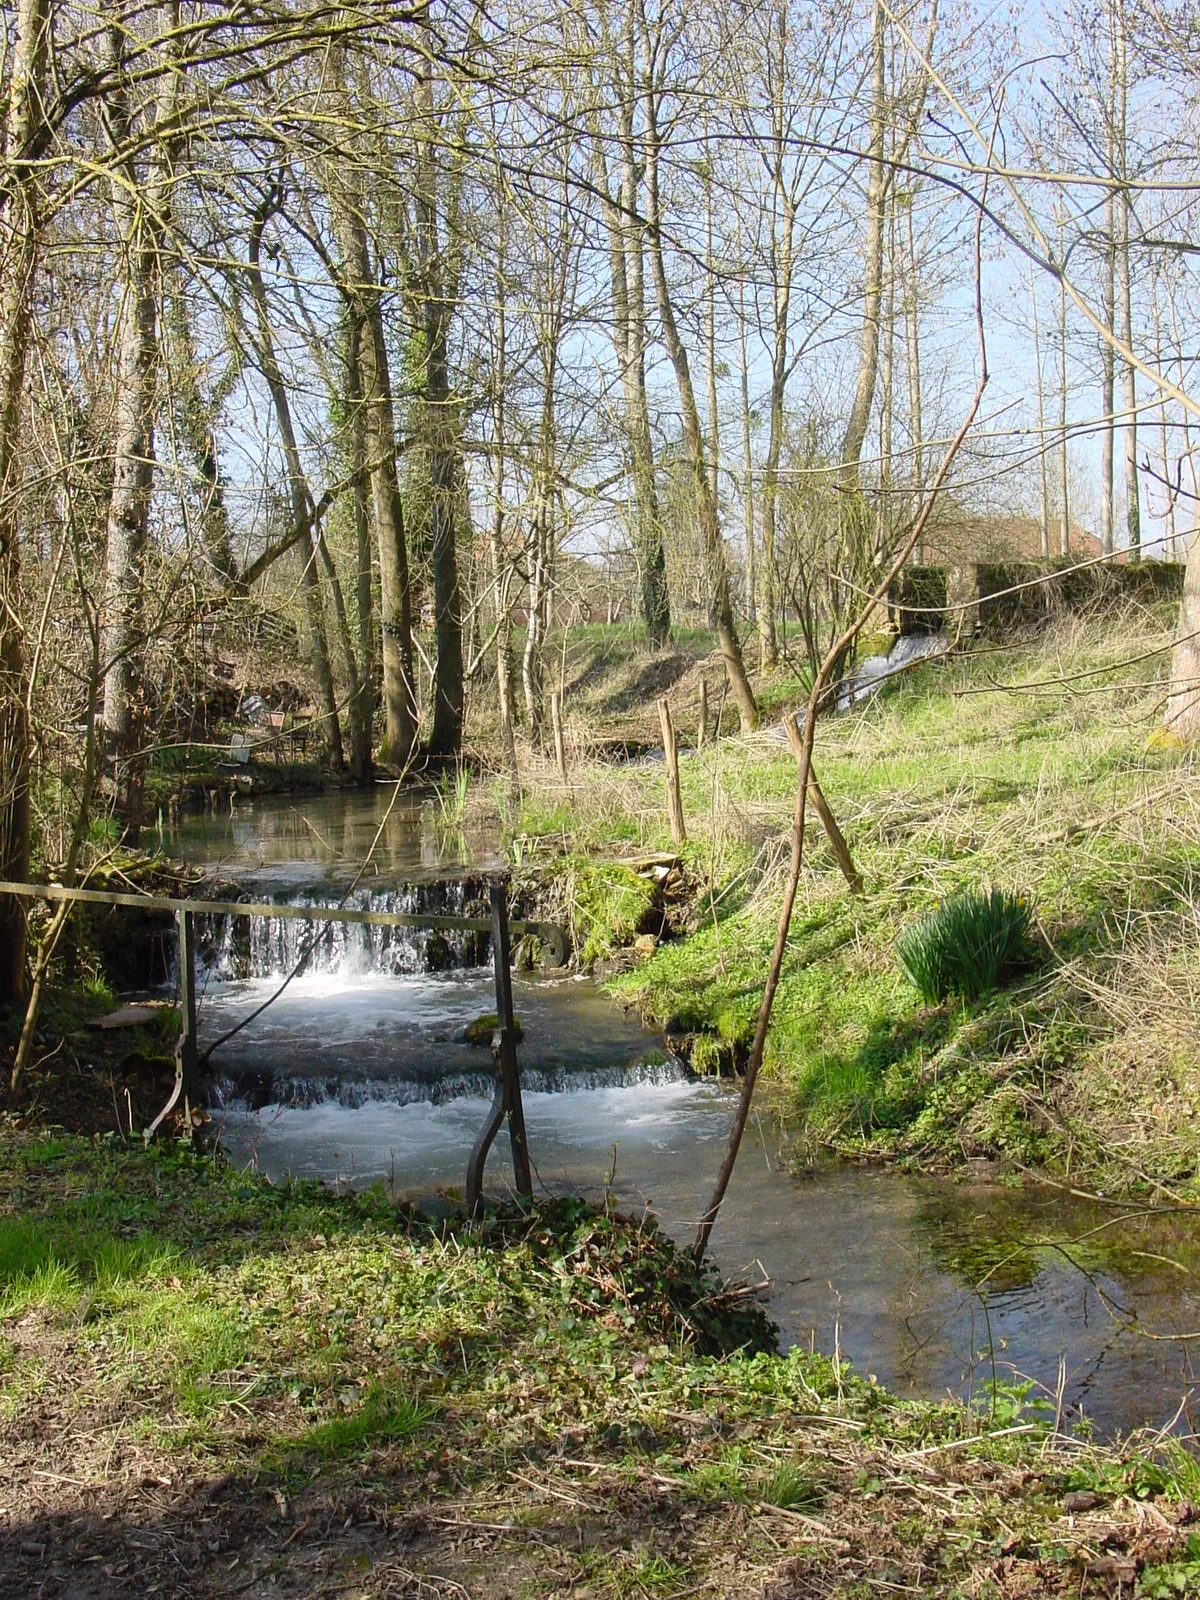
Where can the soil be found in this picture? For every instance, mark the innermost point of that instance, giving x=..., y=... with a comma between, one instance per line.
x=103, y=1084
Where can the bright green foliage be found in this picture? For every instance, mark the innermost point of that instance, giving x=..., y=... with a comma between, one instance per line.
x=1175, y=1580
x=942, y=783
x=968, y=946
x=346, y=1352
x=790, y=1485
x=382, y=1415
x=606, y=904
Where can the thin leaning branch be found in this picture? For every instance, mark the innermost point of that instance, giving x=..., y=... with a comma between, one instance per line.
x=804, y=759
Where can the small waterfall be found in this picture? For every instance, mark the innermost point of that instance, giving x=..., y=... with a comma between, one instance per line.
x=253, y=1090
x=232, y=947
x=377, y=1015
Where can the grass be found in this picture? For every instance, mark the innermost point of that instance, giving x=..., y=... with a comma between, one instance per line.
x=252, y=1381
x=981, y=769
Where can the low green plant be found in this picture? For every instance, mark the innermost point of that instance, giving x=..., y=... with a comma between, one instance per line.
x=968, y=946
x=451, y=794
x=382, y=1415
x=606, y=904
x=789, y=1486
x=1175, y=1579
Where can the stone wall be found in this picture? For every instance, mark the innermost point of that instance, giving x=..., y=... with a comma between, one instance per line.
x=997, y=597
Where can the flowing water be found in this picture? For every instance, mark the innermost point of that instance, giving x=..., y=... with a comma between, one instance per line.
x=358, y=1072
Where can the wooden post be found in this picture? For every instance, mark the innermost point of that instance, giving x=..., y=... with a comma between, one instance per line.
x=504, y=1047
x=674, y=798
x=702, y=722
x=821, y=806
x=560, y=746
x=508, y=1073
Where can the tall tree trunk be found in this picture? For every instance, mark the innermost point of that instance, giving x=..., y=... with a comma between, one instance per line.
x=19, y=239
x=886, y=398
x=1108, y=378
x=1168, y=545
x=300, y=498
x=1133, y=510
x=504, y=662
x=395, y=594
x=877, y=187
x=1044, y=516
x=916, y=410
x=362, y=702
x=346, y=640
x=137, y=209
x=362, y=288
x=445, y=738
x=627, y=275
x=710, y=336
x=718, y=571
x=747, y=468
x=1108, y=299
x=781, y=320
x=538, y=557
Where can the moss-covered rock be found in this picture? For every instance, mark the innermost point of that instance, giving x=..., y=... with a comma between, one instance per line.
x=479, y=1030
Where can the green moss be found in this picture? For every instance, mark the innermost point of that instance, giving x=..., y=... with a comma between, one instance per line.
x=607, y=905
x=479, y=1030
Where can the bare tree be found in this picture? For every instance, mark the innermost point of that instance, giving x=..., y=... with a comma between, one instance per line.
x=655, y=44
x=627, y=275
x=139, y=215
x=20, y=223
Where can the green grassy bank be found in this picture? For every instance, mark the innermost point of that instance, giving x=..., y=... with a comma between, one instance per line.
x=1034, y=767
x=209, y=1386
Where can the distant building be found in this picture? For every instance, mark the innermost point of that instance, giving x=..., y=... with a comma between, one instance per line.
x=958, y=537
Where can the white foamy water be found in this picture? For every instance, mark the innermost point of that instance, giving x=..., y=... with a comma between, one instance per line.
x=362, y=1036
x=423, y=1147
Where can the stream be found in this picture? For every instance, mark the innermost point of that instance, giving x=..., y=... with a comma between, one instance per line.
x=358, y=1073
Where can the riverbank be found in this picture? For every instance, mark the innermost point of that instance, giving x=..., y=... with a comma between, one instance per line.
x=1034, y=766
x=212, y=1386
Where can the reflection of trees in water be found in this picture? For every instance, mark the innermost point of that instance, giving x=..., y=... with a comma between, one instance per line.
x=983, y=1249
x=1003, y=1243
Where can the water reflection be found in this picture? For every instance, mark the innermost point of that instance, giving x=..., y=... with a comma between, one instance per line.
x=327, y=837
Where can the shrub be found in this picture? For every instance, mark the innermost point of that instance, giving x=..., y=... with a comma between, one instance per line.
x=967, y=946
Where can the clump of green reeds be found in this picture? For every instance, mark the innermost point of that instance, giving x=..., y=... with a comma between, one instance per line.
x=968, y=946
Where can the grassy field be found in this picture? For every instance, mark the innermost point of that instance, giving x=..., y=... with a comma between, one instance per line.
x=1034, y=767
x=212, y=1387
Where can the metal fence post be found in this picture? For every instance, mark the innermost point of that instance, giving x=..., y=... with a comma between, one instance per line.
x=187, y=1049
x=505, y=1047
